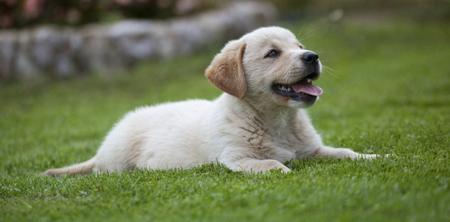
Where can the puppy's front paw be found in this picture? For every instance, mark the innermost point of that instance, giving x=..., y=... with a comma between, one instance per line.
x=268, y=165
x=260, y=166
x=255, y=165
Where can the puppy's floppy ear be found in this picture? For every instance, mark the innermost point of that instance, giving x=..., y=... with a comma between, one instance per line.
x=226, y=70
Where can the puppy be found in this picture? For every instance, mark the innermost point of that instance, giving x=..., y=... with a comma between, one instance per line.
x=256, y=125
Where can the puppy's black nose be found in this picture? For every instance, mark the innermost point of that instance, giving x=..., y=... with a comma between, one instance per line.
x=310, y=57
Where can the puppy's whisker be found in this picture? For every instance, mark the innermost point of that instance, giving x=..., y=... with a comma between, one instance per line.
x=328, y=67
x=330, y=71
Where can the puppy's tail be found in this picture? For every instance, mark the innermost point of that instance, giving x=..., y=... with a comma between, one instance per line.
x=79, y=168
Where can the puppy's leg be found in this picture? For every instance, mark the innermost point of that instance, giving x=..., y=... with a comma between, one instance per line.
x=341, y=153
x=251, y=165
x=236, y=161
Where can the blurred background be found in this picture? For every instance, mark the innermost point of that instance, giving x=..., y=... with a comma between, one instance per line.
x=50, y=38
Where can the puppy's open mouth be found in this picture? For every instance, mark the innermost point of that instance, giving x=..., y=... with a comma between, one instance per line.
x=302, y=90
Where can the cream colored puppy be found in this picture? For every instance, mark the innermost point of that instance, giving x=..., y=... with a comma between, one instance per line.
x=255, y=126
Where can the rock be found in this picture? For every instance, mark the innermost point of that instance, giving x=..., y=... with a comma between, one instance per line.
x=8, y=48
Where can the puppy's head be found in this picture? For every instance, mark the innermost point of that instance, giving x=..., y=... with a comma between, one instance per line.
x=268, y=65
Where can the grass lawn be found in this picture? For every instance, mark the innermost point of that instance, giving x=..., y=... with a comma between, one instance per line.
x=387, y=90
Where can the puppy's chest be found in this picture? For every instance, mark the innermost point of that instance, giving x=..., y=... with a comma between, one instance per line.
x=276, y=141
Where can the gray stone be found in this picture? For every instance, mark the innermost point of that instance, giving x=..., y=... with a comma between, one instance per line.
x=8, y=48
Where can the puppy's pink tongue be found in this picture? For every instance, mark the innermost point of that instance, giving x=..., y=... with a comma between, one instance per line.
x=307, y=88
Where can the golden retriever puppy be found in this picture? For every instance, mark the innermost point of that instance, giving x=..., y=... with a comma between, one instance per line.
x=256, y=125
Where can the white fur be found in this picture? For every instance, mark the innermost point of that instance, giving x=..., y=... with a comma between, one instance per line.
x=254, y=134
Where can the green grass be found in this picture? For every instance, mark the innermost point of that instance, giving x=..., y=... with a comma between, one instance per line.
x=387, y=90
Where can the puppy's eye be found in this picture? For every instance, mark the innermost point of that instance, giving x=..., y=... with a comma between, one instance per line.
x=273, y=53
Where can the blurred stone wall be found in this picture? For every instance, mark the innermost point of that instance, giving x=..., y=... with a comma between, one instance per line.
x=61, y=52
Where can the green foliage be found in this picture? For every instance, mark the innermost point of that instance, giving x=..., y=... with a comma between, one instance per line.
x=387, y=90
x=22, y=13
